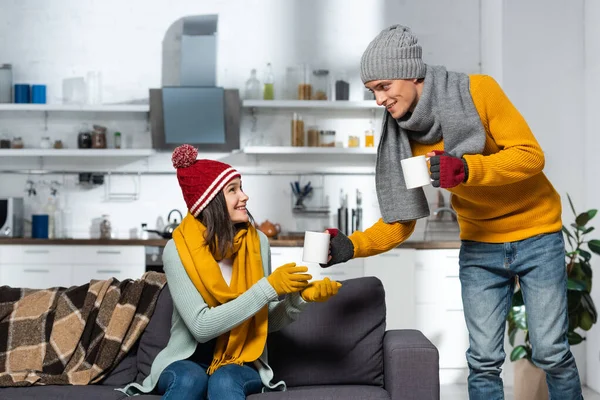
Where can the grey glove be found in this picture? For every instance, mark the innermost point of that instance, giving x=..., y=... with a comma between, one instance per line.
x=341, y=248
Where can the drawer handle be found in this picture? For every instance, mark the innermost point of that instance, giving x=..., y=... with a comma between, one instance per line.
x=108, y=271
x=37, y=251
x=454, y=309
x=44, y=271
x=108, y=252
x=389, y=255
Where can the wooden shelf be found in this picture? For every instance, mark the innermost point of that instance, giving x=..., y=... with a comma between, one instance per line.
x=134, y=153
x=322, y=104
x=275, y=150
x=124, y=108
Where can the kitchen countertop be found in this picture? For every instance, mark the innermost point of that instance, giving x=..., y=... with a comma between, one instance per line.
x=420, y=245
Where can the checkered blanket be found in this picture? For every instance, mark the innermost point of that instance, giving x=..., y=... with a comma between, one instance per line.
x=72, y=336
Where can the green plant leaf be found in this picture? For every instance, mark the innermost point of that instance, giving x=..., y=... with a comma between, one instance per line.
x=512, y=332
x=582, y=219
x=594, y=245
x=588, y=230
x=571, y=204
x=518, y=353
x=578, y=227
x=574, y=338
x=577, y=285
x=569, y=234
x=588, y=304
x=586, y=255
x=586, y=269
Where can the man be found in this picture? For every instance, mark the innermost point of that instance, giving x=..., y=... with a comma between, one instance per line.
x=482, y=151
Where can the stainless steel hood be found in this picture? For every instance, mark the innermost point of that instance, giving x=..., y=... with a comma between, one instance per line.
x=190, y=108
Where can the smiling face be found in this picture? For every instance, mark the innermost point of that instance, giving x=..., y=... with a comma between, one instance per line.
x=236, y=201
x=398, y=96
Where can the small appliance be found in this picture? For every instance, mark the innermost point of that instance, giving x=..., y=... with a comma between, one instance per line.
x=11, y=216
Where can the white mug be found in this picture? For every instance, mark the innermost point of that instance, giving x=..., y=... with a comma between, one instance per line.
x=316, y=247
x=416, y=172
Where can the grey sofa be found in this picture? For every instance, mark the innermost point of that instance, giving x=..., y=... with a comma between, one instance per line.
x=335, y=350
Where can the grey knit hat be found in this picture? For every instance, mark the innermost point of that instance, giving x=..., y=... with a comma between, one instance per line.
x=393, y=54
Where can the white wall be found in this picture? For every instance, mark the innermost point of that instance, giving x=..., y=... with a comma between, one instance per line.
x=589, y=155
x=123, y=40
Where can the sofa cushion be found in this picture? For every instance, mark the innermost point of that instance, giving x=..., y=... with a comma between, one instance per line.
x=339, y=342
x=156, y=335
x=346, y=392
x=125, y=372
x=61, y=392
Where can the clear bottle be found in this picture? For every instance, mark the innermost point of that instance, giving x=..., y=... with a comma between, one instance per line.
x=269, y=88
x=105, y=227
x=320, y=84
x=252, y=90
x=117, y=140
x=50, y=209
x=45, y=143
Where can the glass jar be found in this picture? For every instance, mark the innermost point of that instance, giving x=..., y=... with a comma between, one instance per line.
x=320, y=82
x=58, y=144
x=117, y=140
x=4, y=141
x=84, y=137
x=327, y=138
x=297, y=131
x=304, y=83
x=353, y=141
x=312, y=136
x=105, y=227
x=369, y=138
x=17, y=143
x=45, y=143
x=342, y=87
x=99, y=137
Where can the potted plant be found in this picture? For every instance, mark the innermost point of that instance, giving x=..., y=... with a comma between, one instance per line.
x=581, y=309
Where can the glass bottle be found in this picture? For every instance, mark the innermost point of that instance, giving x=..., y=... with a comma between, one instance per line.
x=252, y=91
x=17, y=143
x=45, y=143
x=105, y=227
x=117, y=140
x=269, y=91
x=369, y=138
x=320, y=84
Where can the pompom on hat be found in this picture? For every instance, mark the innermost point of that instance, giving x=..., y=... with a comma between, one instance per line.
x=200, y=180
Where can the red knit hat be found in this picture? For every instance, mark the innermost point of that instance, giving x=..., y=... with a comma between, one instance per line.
x=200, y=180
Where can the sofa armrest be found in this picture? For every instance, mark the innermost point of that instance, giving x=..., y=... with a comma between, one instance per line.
x=411, y=366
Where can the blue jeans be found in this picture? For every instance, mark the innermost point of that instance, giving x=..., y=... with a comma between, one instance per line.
x=487, y=275
x=187, y=380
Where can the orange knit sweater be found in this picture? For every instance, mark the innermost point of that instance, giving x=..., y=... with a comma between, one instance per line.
x=506, y=198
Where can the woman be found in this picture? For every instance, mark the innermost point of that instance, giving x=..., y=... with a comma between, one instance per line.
x=225, y=301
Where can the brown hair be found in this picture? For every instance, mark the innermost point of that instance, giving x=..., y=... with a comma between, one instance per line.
x=220, y=231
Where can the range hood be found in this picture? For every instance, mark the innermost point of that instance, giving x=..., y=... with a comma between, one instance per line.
x=190, y=108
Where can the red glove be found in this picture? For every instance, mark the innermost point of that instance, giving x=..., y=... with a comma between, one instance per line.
x=447, y=171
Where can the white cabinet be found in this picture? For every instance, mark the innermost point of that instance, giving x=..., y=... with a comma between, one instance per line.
x=396, y=270
x=43, y=266
x=35, y=276
x=439, y=310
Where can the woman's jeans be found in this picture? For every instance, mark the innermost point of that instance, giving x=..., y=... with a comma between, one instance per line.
x=187, y=380
x=487, y=275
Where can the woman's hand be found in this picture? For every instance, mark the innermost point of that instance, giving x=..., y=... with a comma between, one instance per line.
x=289, y=278
x=320, y=291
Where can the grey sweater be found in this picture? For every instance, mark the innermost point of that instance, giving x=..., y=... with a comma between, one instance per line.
x=195, y=322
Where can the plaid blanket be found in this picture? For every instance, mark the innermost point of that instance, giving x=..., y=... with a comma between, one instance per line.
x=72, y=336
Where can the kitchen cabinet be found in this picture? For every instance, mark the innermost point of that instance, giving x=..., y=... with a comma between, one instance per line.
x=41, y=266
x=396, y=270
x=439, y=311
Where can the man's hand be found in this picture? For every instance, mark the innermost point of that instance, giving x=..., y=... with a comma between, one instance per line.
x=447, y=171
x=341, y=248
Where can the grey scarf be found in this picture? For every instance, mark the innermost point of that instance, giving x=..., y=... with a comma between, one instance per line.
x=445, y=110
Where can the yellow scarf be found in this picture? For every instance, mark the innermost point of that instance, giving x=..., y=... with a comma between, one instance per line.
x=245, y=342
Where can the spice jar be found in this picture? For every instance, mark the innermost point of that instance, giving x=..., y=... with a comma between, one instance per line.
x=99, y=137
x=297, y=131
x=58, y=144
x=320, y=84
x=17, y=143
x=353, y=141
x=45, y=143
x=117, y=140
x=369, y=138
x=4, y=142
x=327, y=139
x=312, y=136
